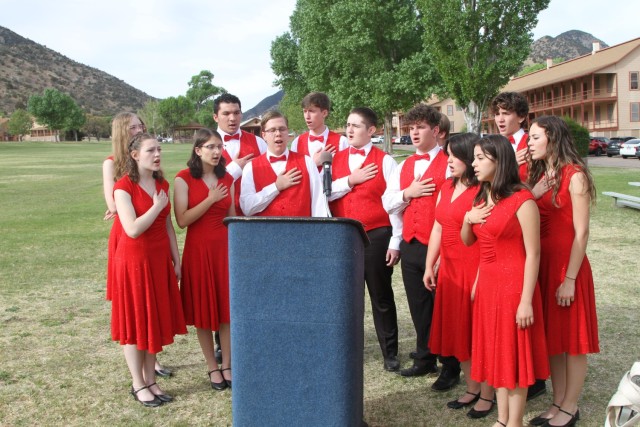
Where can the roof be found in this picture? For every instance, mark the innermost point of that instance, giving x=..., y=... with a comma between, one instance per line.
x=577, y=67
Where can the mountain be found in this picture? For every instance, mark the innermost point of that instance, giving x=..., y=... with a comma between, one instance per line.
x=28, y=68
x=567, y=45
x=269, y=103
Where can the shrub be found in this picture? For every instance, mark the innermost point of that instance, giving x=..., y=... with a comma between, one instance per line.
x=580, y=136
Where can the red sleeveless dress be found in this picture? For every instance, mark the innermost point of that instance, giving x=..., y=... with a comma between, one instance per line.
x=572, y=329
x=146, y=309
x=502, y=354
x=205, y=260
x=451, y=324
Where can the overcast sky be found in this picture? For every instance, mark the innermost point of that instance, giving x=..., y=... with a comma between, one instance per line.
x=157, y=45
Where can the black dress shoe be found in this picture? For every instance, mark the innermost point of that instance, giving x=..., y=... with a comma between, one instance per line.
x=391, y=364
x=536, y=389
x=164, y=372
x=226, y=380
x=572, y=421
x=148, y=403
x=456, y=404
x=540, y=420
x=217, y=386
x=474, y=413
x=418, y=371
x=446, y=381
x=163, y=397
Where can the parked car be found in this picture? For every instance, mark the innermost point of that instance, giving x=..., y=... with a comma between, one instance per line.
x=598, y=145
x=638, y=152
x=628, y=148
x=613, y=149
x=377, y=139
x=405, y=140
x=395, y=140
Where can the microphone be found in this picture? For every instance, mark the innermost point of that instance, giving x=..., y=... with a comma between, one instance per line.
x=326, y=158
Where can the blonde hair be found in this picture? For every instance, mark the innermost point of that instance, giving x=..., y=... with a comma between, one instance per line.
x=120, y=142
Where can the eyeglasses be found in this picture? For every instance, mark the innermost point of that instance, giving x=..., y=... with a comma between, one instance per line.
x=274, y=130
x=212, y=147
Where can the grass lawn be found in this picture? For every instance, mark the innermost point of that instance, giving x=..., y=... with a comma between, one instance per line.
x=57, y=362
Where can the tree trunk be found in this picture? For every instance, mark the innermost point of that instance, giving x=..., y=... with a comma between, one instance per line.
x=473, y=118
x=388, y=146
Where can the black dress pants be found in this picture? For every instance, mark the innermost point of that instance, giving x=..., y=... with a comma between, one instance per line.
x=377, y=276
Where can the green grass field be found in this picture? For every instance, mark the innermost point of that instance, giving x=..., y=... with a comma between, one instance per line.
x=58, y=365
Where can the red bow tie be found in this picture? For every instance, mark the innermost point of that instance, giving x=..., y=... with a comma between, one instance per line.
x=354, y=150
x=282, y=158
x=316, y=138
x=512, y=139
x=423, y=157
x=232, y=137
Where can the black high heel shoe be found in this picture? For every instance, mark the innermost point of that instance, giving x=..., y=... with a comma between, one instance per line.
x=474, y=413
x=572, y=421
x=163, y=397
x=217, y=386
x=148, y=403
x=226, y=380
x=540, y=420
x=456, y=404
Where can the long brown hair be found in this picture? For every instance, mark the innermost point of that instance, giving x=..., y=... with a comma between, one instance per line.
x=120, y=142
x=132, y=165
x=195, y=162
x=561, y=151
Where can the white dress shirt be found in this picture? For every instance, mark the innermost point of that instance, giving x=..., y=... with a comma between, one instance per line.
x=232, y=147
x=252, y=202
x=315, y=146
x=340, y=188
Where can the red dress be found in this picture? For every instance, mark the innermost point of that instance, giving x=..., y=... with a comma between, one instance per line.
x=451, y=324
x=146, y=308
x=114, y=235
x=205, y=260
x=572, y=329
x=504, y=355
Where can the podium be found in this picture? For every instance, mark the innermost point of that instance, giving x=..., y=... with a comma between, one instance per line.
x=297, y=311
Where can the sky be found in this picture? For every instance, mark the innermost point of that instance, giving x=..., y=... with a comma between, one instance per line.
x=158, y=45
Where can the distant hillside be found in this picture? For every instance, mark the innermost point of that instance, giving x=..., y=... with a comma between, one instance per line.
x=28, y=68
x=269, y=103
x=567, y=45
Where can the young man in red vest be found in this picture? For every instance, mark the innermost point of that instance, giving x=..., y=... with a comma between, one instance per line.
x=316, y=107
x=281, y=182
x=239, y=146
x=412, y=192
x=360, y=175
x=510, y=112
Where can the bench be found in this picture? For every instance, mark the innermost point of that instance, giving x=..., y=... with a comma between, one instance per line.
x=620, y=199
x=635, y=184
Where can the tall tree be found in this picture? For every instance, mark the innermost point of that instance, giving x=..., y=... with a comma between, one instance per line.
x=201, y=89
x=52, y=109
x=20, y=123
x=75, y=120
x=150, y=116
x=97, y=126
x=477, y=45
x=360, y=52
x=174, y=112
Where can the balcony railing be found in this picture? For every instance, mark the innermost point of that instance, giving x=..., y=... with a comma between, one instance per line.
x=574, y=98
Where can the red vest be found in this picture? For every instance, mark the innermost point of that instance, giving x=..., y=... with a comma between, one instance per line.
x=295, y=200
x=248, y=145
x=364, y=201
x=420, y=215
x=333, y=139
x=523, y=169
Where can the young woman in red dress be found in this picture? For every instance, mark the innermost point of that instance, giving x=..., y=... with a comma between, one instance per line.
x=202, y=199
x=458, y=265
x=146, y=311
x=508, y=342
x=564, y=189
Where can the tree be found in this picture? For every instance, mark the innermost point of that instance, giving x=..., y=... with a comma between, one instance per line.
x=360, y=52
x=477, y=45
x=20, y=123
x=97, y=126
x=201, y=90
x=75, y=120
x=174, y=112
x=150, y=116
x=580, y=136
x=53, y=109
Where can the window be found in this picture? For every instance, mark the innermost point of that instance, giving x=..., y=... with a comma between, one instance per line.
x=633, y=80
x=635, y=111
x=449, y=110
